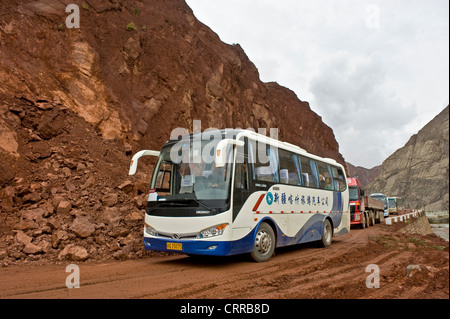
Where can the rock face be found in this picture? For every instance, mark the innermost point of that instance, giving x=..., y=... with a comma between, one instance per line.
x=76, y=103
x=419, y=171
x=138, y=85
x=364, y=175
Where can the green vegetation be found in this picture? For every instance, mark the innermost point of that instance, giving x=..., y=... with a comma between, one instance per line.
x=131, y=26
x=417, y=241
x=85, y=6
x=390, y=242
x=386, y=241
x=136, y=11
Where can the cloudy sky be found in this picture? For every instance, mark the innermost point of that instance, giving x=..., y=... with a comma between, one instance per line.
x=376, y=71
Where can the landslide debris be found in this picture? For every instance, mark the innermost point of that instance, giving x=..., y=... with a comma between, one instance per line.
x=75, y=104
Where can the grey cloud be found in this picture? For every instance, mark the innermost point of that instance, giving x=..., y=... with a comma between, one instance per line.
x=352, y=98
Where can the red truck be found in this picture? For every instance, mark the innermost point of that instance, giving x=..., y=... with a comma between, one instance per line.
x=365, y=211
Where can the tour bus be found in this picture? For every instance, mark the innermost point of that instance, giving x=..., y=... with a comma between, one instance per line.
x=395, y=205
x=228, y=192
x=382, y=198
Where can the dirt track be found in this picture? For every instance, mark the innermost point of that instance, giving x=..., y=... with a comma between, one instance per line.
x=295, y=272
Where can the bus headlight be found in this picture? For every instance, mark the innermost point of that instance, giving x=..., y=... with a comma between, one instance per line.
x=149, y=230
x=212, y=231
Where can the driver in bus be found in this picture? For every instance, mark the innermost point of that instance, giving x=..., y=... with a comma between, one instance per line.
x=218, y=178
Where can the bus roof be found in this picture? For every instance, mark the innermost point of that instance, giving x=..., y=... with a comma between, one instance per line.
x=377, y=195
x=240, y=133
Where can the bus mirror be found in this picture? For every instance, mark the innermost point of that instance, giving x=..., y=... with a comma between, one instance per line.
x=137, y=156
x=221, y=151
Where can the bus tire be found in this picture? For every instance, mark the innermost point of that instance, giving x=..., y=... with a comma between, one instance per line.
x=264, y=245
x=327, y=234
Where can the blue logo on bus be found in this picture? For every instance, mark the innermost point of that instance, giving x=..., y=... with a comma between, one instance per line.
x=269, y=198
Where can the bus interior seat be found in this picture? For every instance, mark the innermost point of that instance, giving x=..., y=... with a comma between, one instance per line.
x=284, y=175
x=306, y=179
x=293, y=178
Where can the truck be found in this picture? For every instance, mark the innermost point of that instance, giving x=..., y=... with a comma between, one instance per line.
x=365, y=211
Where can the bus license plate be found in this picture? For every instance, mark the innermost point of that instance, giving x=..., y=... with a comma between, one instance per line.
x=174, y=246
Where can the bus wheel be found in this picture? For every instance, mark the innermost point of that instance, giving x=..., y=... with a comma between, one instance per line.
x=327, y=234
x=264, y=245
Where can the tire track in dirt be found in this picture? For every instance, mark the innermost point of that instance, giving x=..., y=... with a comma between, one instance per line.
x=302, y=271
x=274, y=278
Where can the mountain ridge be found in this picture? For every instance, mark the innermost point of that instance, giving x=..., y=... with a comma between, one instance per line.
x=365, y=175
x=418, y=172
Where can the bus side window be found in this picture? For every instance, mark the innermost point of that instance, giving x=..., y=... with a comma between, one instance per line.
x=324, y=176
x=309, y=174
x=288, y=168
x=266, y=169
x=163, y=179
x=241, y=175
x=341, y=180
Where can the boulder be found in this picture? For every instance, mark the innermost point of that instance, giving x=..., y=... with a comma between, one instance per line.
x=135, y=216
x=126, y=187
x=34, y=214
x=412, y=269
x=64, y=207
x=57, y=237
x=119, y=232
x=110, y=199
x=31, y=248
x=32, y=198
x=111, y=216
x=22, y=238
x=73, y=253
x=3, y=254
x=82, y=227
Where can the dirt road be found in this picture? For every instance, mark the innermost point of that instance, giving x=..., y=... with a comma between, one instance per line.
x=304, y=271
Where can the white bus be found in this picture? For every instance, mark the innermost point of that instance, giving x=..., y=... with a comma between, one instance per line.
x=241, y=192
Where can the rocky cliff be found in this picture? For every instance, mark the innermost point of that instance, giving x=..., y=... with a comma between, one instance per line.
x=419, y=171
x=365, y=175
x=136, y=70
x=76, y=103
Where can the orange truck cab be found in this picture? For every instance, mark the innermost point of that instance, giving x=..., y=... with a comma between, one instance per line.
x=356, y=199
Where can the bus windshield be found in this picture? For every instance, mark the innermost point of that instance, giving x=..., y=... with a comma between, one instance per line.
x=392, y=202
x=193, y=175
x=379, y=197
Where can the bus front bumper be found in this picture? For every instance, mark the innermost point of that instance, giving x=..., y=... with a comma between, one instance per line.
x=189, y=247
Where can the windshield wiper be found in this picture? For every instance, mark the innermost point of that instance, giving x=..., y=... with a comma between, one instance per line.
x=181, y=201
x=198, y=202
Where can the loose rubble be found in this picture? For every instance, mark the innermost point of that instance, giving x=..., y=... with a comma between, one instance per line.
x=71, y=199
